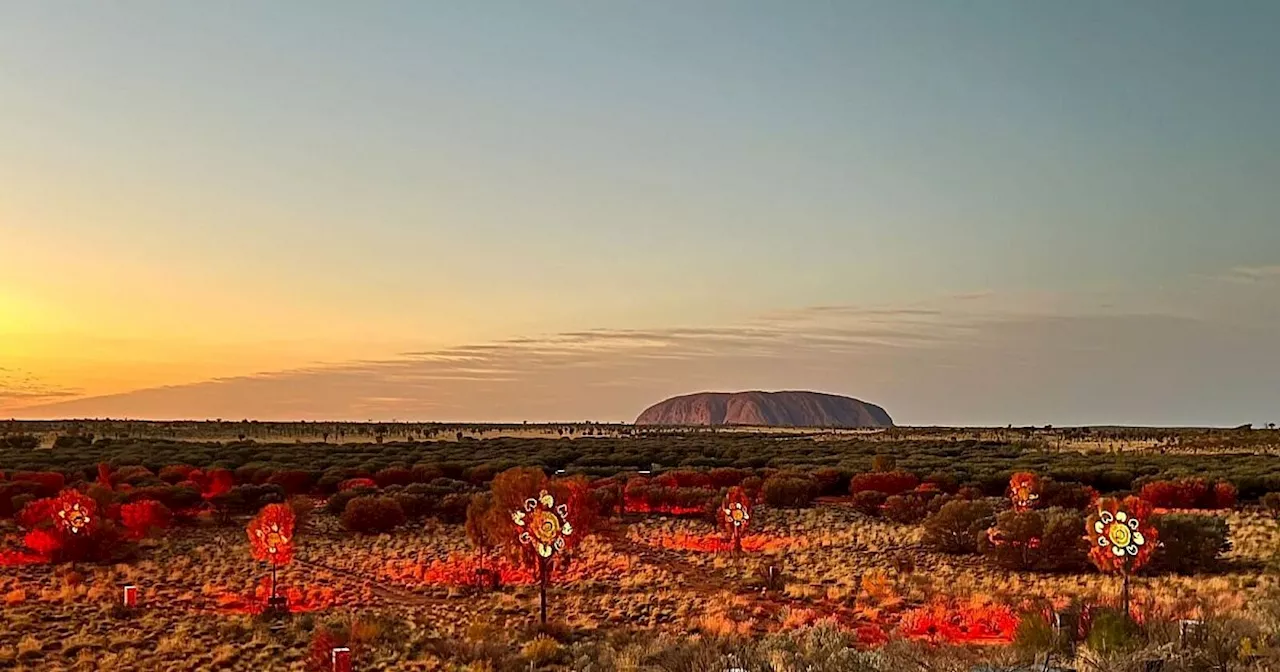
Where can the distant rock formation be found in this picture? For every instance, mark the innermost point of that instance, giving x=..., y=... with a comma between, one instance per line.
x=765, y=409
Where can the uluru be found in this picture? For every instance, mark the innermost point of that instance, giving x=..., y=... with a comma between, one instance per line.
x=766, y=409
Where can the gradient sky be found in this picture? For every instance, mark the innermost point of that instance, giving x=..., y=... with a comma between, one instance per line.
x=969, y=212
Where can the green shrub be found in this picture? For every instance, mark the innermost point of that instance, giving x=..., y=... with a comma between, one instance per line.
x=789, y=490
x=1271, y=502
x=1111, y=632
x=338, y=502
x=1035, y=634
x=372, y=514
x=1051, y=540
x=1190, y=543
x=957, y=526
x=1063, y=546
x=905, y=509
x=869, y=502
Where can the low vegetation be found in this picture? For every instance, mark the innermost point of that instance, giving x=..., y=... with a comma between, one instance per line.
x=895, y=551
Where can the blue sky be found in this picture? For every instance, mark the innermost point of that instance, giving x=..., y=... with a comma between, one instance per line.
x=235, y=190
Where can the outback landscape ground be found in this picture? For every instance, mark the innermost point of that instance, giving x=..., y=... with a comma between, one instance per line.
x=891, y=550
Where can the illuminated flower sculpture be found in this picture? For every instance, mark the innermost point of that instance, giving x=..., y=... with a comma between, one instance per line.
x=1024, y=491
x=543, y=525
x=271, y=540
x=1121, y=538
x=76, y=513
x=735, y=515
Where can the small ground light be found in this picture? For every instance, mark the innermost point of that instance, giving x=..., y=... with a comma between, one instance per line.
x=1191, y=632
x=559, y=471
x=342, y=659
x=130, y=596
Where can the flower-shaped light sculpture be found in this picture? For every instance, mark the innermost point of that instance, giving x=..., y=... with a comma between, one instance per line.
x=271, y=534
x=1120, y=533
x=543, y=524
x=1121, y=538
x=1024, y=491
x=737, y=515
x=76, y=513
x=271, y=540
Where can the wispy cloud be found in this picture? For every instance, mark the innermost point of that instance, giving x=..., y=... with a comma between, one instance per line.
x=18, y=387
x=984, y=359
x=1252, y=274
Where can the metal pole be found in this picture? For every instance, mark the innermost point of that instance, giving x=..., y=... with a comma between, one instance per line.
x=542, y=567
x=1124, y=599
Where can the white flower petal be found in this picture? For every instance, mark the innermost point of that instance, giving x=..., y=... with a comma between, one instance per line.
x=559, y=544
x=1118, y=551
x=543, y=549
x=518, y=517
x=563, y=510
x=1138, y=539
x=525, y=538
x=1104, y=542
x=530, y=504
x=546, y=499
x=1133, y=523
x=1122, y=516
x=1107, y=517
x=1099, y=527
x=566, y=529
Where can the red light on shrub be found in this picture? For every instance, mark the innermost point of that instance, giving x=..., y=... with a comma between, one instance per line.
x=342, y=659
x=131, y=596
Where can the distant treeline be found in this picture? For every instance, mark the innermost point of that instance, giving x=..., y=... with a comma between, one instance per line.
x=982, y=464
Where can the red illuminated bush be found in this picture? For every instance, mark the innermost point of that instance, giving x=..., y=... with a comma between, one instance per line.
x=1189, y=493
x=50, y=483
x=292, y=481
x=68, y=527
x=643, y=495
x=961, y=623
x=177, y=473
x=889, y=482
x=393, y=476
x=353, y=483
x=1223, y=496
x=684, y=478
x=214, y=482
x=143, y=518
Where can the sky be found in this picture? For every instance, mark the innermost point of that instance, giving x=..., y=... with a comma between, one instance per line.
x=970, y=213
